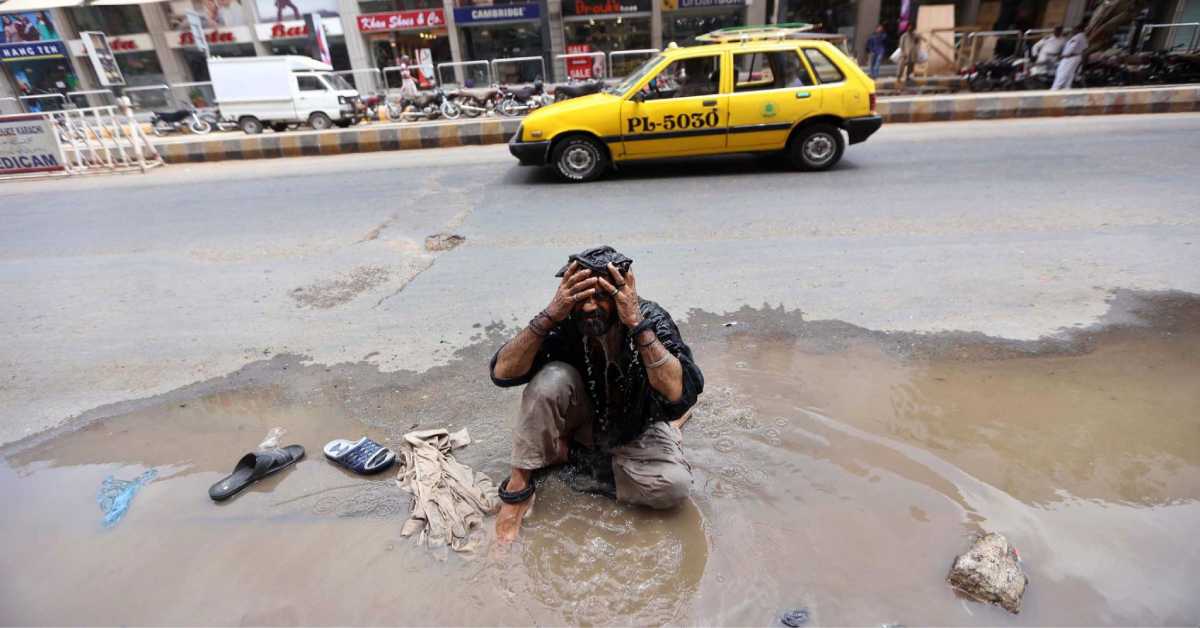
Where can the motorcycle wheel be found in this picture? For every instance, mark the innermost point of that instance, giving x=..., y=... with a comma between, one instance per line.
x=159, y=130
x=508, y=108
x=451, y=110
x=200, y=127
x=979, y=84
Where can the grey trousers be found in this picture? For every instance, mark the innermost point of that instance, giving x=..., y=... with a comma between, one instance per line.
x=649, y=471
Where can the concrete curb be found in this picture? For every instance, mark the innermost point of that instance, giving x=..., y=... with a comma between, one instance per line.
x=903, y=109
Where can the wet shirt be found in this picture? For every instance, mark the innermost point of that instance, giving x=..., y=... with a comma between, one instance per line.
x=624, y=401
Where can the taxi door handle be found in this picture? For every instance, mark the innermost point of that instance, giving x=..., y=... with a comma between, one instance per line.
x=708, y=103
x=803, y=94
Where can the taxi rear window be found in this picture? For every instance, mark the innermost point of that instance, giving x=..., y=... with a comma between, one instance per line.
x=769, y=70
x=827, y=71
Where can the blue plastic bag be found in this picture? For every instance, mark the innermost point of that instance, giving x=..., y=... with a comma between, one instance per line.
x=115, y=495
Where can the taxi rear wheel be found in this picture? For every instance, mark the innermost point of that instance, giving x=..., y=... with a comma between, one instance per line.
x=578, y=159
x=816, y=147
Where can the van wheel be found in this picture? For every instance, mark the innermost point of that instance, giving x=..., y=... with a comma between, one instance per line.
x=250, y=125
x=578, y=159
x=319, y=121
x=279, y=127
x=816, y=147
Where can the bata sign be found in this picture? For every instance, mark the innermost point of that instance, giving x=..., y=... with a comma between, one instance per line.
x=215, y=37
x=125, y=43
x=296, y=29
x=401, y=20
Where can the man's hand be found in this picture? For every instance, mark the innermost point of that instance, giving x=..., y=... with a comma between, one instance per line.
x=624, y=294
x=576, y=285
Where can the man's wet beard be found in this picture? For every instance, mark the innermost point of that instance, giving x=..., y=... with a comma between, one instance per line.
x=594, y=323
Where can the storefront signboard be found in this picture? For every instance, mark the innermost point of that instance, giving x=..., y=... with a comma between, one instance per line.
x=32, y=51
x=401, y=20
x=140, y=42
x=502, y=12
x=604, y=7
x=295, y=29
x=698, y=4
x=28, y=144
x=214, y=37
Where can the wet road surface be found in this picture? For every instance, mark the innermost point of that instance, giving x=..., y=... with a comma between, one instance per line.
x=941, y=356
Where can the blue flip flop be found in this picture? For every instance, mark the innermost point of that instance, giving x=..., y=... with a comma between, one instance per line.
x=365, y=456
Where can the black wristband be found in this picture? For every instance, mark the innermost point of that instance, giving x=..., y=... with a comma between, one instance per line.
x=641, y=327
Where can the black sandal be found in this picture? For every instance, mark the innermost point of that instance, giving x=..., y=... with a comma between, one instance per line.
x=516, y=497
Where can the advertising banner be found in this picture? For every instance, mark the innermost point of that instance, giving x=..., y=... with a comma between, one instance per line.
x=401, y=20
x=213, y=13
x=318, y=46
x=604, y=7
x=140, y=42
x=472, y=15
x=28, y=144
x=26, y=27
x=103, y=61
x=280, y=10
x=29, y=52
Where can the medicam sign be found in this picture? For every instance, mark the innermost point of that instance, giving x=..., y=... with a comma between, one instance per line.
x=28, y=144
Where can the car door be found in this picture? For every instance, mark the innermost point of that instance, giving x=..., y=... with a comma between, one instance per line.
x=311, y=95
x=679, y=111
x=772, y=91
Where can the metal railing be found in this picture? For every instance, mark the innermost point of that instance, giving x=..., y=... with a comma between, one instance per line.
x=1171, y=37
x=37, y=103
x=87, y=98
x=465, y=73
x=371, y=81
x=622, y=63
x=519, y=76
x=396, y=83
x=598, y=66
x=92, y=139
x=974, y=42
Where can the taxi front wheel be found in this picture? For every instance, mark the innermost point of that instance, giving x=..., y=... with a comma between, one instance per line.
x=578, y=159
x=816, y=147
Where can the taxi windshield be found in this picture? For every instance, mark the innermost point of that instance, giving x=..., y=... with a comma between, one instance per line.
x=632, y=79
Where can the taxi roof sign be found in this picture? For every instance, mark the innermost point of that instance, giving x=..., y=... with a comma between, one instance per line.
x=753, y=33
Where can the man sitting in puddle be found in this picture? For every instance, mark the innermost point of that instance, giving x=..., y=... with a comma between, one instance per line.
x=607, y=370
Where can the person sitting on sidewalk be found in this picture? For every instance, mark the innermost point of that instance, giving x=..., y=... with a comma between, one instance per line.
x=607, y=370
x=1047, y=51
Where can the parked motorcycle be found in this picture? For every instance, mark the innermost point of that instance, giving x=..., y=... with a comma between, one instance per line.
x=164, y=122
x=215, y=121
x=427, y=105
x=477, y=101
x=996, y=74
x=575, y=89
x=518, y=101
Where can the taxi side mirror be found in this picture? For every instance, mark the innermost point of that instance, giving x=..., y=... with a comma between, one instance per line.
x=638, y=96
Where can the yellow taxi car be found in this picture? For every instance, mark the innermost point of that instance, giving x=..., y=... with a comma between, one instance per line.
x=759, y=89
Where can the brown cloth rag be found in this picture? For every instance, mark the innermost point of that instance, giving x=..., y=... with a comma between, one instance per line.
x=449, y=499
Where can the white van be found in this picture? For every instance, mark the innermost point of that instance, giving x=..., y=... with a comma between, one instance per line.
x=282, y=90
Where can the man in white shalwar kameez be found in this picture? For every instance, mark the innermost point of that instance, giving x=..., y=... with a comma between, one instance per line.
x=1072, y=58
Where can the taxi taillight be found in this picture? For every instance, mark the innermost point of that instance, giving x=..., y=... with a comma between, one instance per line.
x=872, y=103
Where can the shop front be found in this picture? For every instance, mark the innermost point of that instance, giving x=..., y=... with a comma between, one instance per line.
x=604, y=26
x=420, y=35
x=683, y=20
x=35, y=61
x=291, y=38
x=504, y=31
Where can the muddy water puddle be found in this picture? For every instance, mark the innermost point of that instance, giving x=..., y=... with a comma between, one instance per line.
x=836, y=469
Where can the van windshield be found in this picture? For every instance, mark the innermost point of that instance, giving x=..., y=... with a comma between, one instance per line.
x=337, y=82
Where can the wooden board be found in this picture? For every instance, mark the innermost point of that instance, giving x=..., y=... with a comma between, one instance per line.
x=940, y=46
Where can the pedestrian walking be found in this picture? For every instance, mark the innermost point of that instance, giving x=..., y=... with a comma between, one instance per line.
x=910, y=52
x=876, y=46
x=408, y=86
x=1072, y=58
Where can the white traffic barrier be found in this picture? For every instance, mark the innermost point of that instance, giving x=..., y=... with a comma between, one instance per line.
x=74, y=141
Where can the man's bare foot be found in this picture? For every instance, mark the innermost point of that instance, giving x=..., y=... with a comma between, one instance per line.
x=508, y=520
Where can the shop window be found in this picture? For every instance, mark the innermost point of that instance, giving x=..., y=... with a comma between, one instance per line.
x=683, y=29
x=697, y=76
x=111, y=20
x=769, y=70
x=826, y=71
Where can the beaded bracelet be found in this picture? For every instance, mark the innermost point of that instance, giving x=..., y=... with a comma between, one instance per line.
x=659, y=362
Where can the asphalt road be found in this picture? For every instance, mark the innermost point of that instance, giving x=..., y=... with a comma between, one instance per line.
x=119, y=288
